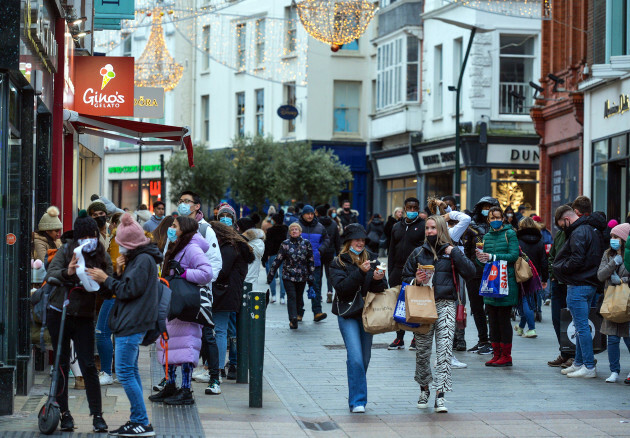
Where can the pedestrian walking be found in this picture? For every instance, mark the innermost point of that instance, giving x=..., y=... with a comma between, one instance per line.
x=135, y=311
x=159, y=209
x=375, y=231
x=267, y=221
x=332, y=250
x=98, y=211
x=275, y=236
x=512, y=218
x=612, y=271
x=347, y=215
x=296, y=255
x=392, y=220
x=500, y=243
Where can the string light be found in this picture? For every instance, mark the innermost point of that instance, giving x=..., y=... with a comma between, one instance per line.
x=538, y=9
x=335, y=22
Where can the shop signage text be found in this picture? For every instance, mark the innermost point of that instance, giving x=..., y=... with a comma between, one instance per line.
x=612, y=109
x=512, y=154
x=287, y=112
x=437, y=158
x=104, y=85
x=134, y=169
x=39, y=30
x=148, y=102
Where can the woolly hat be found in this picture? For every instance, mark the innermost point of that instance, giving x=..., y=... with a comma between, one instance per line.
x=536, y=219
x=226, y=208
x=50, y=220
x=321, y=210
x=96, y=206
x=130, y=234
x=245, y=224
x=84, y=226
x=612, y=223
x=308, y=209
x=353, y=231
x=621, y=230
x=277, y=218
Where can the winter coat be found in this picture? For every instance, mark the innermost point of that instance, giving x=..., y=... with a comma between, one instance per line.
x=192, y=258
x=606, y=268
x=228, y=289
x=578, y=260
x=346, y=219
x=558, y=243
x=387, y=229
x=406, y=236
x=375, y=230
x=152, y=224
x=626, y=258
x=503, y=245
x=298, y=259
x=41, y=245
x=136, y=306
x=289, y=218
x=443, y=282
x=213, y=253
x=275, y=236
x=256, y=240
x=332, y=230
x=142, y=216
x=315, y=233
x=530, y=241
x=349, y=278
x=81, y=302
x=546, y=236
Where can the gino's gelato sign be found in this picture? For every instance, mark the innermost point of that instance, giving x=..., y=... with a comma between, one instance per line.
x=104, y=85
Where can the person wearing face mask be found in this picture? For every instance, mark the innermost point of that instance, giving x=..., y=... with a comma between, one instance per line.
x=98, y=211
x=510, y=217
x=500, y=243
x=449, y=261
x=613, y=272
x=79, y=325
x=351, y=271
x=159, y=209
x=407, y=235
x=346, y=215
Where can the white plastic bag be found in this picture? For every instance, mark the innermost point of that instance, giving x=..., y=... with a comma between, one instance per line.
x=86, y=281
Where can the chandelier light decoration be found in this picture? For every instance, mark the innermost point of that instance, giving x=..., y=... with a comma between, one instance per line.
x=156, y=67
x=335, y=22
x=537, y=9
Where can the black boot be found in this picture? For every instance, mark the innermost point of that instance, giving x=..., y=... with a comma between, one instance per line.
x=182, y=397
x=67, y=422
x=231, y=374
x=98, y=424
x=168, y=391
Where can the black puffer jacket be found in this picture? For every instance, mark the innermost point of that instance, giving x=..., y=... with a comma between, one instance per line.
x=405, y=238
x=443, y=283
x=530, y=241
x=375, y=231
x=578, y=261
x=334, y=237
x=478, y=228
x=228, y=289
x=274, y=238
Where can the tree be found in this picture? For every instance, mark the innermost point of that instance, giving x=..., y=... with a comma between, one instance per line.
x=210, y=177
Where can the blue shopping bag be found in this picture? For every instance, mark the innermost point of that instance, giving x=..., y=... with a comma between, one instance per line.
x=494, y=282
x=400, y=314
x=310, y=294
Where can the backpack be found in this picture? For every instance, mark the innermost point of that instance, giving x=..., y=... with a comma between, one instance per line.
x=203, y=228
x=164, y=304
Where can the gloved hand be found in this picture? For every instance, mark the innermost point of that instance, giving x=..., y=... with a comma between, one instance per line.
x=614, y=279
x=618, y=260
x=311, y=293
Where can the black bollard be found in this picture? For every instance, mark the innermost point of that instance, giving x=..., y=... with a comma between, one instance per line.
x=242, y=333
x=257, y=311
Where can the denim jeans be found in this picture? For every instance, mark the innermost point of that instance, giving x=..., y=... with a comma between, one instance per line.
x=614, y=353
x=232, y=338
x=210, y=351
x=316, y=303
x=127, y=350
x=272, y=286
x=359, y=349
x=527, y=316
x=104, y=337
x=579, y=303
x=221, y=322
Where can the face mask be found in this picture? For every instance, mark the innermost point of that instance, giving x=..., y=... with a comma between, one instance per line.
x=509, y=215
x=226, y=220
x=91, y=244
x=432, y=240
x=496, y=224
x=101, y=221
x=346, y=209
x=171, y=233
x=272, y=222
x=334, y=215
x=448, y=209
x=183, y=209
x=485, y=212
x=159, y=217
x=412, y=215
x=122, y=250
x=354, y=251
x=615, y=244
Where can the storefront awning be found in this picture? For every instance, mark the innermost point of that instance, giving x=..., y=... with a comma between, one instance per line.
x=132, y=132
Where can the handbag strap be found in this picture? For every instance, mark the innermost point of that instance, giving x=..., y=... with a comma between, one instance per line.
x=459, y=298
x=520, y=251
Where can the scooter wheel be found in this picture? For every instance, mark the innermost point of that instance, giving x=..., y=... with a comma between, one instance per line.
x=48, y=419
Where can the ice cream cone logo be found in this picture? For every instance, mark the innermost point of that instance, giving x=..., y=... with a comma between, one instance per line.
x=108, y=74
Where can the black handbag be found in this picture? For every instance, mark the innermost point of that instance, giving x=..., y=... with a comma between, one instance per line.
x=185, y=299
x=348, y=310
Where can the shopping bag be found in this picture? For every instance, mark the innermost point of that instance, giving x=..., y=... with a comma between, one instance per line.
x=615, y=305
x=400, y=313
x=494, y=282
x=568, y=334
x=378, y=312
x=420, y=304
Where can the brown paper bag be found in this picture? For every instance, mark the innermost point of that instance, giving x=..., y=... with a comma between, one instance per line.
x=424, y=328
x=420, y=304
x=615, y=304
x=378, y=312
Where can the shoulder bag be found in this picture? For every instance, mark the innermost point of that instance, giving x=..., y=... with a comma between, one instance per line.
x=522, y=269
x=460, y=316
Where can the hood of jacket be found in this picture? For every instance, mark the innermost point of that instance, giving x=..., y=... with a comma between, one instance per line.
x=377, y=221
x=255, y=238
x=352, y=211
x=476, y=212
x=150, y=249
x=143, y=215
x=529, y=235
x=598, y=220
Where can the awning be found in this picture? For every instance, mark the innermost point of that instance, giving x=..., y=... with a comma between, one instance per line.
x=132, y=132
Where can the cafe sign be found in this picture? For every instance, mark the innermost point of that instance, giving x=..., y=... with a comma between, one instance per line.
x=612, y=108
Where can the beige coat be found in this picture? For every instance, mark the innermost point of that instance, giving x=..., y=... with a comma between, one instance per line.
x=41, y=245
x=606, y=269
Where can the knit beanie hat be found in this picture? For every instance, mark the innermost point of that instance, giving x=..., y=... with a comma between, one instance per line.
x=130, y=234
x=277, y=218
x=96, y=206
x=245, y=224
x=308, y=209
x=612, y=223
x=536, y=219
x=226, y=208
x=621, y=230
x=84, y=226
x=50, y=220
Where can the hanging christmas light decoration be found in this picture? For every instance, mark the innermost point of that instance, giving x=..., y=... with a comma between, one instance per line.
x=537, y=9
x=156, y=67
x=335, y=22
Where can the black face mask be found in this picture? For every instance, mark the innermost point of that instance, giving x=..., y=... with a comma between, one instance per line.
x=432, y=240
x=101, y=221
x=346, y=209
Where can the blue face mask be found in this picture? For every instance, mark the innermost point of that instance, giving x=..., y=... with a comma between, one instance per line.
x=226, y=220
x=496, y=224
x=615, y=244
x=412, y=215
x=485, y=212
x=183, y=209
x=171, y=233
x=334, y=215
x=354, y=251
x=159, y=217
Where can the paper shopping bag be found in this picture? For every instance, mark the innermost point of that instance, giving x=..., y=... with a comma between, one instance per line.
x=420, y=304
x=378, y=312
x=615, y=305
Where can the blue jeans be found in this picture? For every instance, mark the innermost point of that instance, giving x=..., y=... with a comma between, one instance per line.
x=316, y=303
x=127, y=350
x=613, y=352
x=232, y=338
x=221, y=322
x=104, y=337
x=359, y=349
x=272, y=286
x=527, y=316
x=579, y=303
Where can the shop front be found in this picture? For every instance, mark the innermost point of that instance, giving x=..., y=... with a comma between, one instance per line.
x=395, y=179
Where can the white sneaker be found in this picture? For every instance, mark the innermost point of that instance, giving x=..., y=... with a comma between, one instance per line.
x=272, y=300
x=358, y=410
x=105, y=379
x=199, y=371
x=571, y=369
x=203, y=378
x=456, y=364
x=283, y=301
x=613, y=378
x=584, y=373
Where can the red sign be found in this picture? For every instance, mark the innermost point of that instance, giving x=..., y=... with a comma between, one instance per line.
x=11, y=239
x=103, y=85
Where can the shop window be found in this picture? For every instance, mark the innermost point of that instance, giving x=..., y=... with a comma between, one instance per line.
x=600, y=187
x=516, y=187
x=617, y=30
x=516, y=70
x=600, y=151
x=439, y=184
x=127, y=45
x=397, y=191
x=125, y=192
x=346, y=111
x=389, y=64
x=564, y=185
x=618, y=147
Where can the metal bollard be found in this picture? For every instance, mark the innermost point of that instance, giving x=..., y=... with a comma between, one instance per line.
x=257, y=311
x=242, y=333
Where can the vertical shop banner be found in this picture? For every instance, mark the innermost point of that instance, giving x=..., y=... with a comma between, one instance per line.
x=104, y=86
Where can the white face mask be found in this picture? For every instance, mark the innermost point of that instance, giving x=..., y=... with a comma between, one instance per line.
x=122, y=250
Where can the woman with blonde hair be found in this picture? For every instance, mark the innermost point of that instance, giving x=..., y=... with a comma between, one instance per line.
x=448, y=261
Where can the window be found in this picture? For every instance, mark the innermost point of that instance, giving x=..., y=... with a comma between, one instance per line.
x=127, y=45
x=412, y=68
x=289, y=92
x=290, y=15
x=389, y=74
x=260, y=112
x=346, y=113
x=516, y=70
x=438, y=90
x=398, y=190
x=354, y=45
x=205, y=117
x=205, y=43
x=457, y=66
x=240, y=114
x=241, y=48
x=617, y=34
x=260, y=42
x=515, y=187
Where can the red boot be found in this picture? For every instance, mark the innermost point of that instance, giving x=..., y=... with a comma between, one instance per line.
x=496, y=354
x=506, y=356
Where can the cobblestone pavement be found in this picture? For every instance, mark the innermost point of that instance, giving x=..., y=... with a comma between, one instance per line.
x=305, y=394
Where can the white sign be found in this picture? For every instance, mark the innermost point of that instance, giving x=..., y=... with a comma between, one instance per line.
x=437, y=158
x=402, y=164
x=512, y=154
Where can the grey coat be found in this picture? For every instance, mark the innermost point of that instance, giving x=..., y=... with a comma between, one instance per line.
x=606, y=269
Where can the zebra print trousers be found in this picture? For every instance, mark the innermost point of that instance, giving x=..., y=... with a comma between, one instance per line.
x=444, y=330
